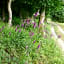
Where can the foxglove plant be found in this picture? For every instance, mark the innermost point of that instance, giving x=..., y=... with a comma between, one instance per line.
x=31, y=33
x=38, y=46
x=59, y=36
x=18, y=26
x=34, y=25
x=36, y=14
x=28, y=21
x=22, y=25
x=16, y=29
x=34, y=41
x=20, y=30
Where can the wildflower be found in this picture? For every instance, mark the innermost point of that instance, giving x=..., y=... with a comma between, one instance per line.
x=16, y=29
x=18, y=26
x=39, y=46
x=22, y=25
x=34, y=25
x=28, y=21
x=31, y=33
x=34, y=41
x=59, y=36
x=19, y=30
x=36, y=14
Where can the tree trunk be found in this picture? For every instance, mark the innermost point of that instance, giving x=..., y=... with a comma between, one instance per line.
x=41, y=22
x=10, y=12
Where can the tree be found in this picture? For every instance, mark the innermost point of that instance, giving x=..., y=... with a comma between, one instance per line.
x=10, y=12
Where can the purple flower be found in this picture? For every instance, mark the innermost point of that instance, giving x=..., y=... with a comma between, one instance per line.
x=18, y=26
x=28, y=21
x=16, y=29
x=34, y=41
x=39, y=46
x=59, y=36
x=31, y=33
x=22, y=25
x=36, y=14
x=34, y=25
x=20, y=30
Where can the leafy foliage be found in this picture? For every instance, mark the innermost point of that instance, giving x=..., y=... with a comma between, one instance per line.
x=58, y=14
x=26, y=45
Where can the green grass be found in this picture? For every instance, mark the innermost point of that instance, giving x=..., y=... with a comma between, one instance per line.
x=18, y=47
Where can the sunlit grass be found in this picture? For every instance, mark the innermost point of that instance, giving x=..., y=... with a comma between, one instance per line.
x=58, y=33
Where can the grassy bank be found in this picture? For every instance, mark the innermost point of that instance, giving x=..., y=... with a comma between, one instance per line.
x=23, y=44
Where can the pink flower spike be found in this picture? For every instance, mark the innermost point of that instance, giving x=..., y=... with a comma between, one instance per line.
x=34, y=41
x=16, y=29
x=19, y=30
